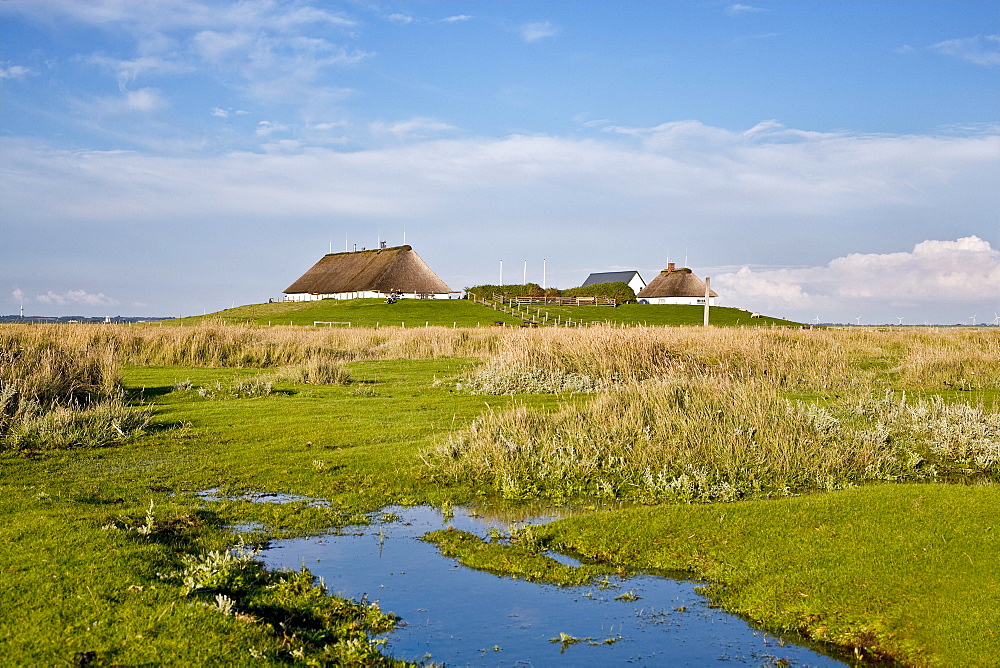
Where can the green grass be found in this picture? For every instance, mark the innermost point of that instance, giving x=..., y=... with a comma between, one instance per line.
x=907, y=571
x=80, y=588
x=362, y=313
x=657, y=315
x=512, y=560
x=465, y=313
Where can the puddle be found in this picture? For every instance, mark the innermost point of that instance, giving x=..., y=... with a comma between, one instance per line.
x=263, y=497
x=458, y=616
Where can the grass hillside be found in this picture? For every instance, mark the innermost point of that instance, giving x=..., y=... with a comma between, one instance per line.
x=464, y=313
x=363, y=313
x=658, y=315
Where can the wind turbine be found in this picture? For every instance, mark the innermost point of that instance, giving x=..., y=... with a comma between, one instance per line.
x=996, y=319
x=859, y=320
x=817, y=318
x=973, y=318
x=900, y=319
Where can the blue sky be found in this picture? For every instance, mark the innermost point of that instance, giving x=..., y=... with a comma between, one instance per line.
x=816, y=159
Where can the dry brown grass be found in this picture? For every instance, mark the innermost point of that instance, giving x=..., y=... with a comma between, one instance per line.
x=809, y=360
x=223, y=345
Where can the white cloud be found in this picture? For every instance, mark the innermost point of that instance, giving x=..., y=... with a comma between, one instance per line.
x=400, y=18
x=414, y=128
x=80, y=297
x=144, y=100
x=18, y=295
x=127, y=71
x=458, y=18
x=267, y=128
x=770, y=196
x=737, y=9
x=15, y=72
x=964, y=271
x=140, y=19
x=533, y=32
x=282, y=146
x=220, y=113
x=980, y=50
x=216, y=46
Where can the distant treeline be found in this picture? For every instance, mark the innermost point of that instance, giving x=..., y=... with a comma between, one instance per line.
x=616, y=290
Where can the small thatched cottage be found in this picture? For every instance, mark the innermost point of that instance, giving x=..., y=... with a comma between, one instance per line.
x=369, y=273
x=632, y=278
x=675, y=286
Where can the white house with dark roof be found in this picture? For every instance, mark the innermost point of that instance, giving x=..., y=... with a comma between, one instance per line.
x=632, y=278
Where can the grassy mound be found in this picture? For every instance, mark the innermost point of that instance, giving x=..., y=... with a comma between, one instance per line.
x=464, y=313
x=363, y=313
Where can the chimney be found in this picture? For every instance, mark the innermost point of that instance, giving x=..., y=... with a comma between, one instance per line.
x=670, y=266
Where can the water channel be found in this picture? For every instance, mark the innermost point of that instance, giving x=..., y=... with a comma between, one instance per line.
x=454, y=615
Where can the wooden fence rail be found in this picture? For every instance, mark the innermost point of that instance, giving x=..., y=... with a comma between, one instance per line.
x=557, y=301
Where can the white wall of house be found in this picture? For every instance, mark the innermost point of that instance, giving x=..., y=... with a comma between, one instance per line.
x=636, y=283
x=690, y=301
x=309, y=297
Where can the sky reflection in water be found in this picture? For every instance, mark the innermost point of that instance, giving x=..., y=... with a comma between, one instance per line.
x=459, y=616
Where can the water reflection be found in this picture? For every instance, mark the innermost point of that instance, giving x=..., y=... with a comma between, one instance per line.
x=458, y=616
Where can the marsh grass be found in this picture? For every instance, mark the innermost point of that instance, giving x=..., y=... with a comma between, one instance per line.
x=600, y=357
x=899, y=574
x=707, y=438
x=525, y=562
x=216, y=344
x=965, y=360
x=109, y=422
x=77, y=587
x=54, y=397
x=316, y=370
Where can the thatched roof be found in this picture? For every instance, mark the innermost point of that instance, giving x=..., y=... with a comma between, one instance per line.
x=675, y=283
x=610, y=277
x=380, y=270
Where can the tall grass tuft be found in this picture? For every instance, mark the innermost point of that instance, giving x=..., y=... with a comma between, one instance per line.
x=966, y=361
x=224, y=345
x=316, y=370
x=52, y=396
x=710, y=438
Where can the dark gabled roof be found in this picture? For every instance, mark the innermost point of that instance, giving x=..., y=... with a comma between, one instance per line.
x=610, y=277
x=380, y=270
x=675, y=283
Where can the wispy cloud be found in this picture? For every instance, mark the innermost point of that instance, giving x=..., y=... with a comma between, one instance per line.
x=267, y=128
x=14, y=71
x=272, y=51
x=80, y=297
x=128, y=71
x=458, y=18
x=414, y=128
x=980, y=50
x=400, y=18
x=219, y=112
x=774, y=194
x=737, y=9
x=144, y=100
x=539, y=30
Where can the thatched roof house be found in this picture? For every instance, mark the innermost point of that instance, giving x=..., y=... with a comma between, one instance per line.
x=675, y=286
x=369, y=273
x=631, y=278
